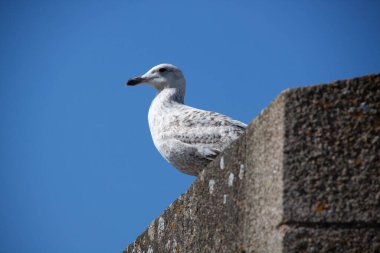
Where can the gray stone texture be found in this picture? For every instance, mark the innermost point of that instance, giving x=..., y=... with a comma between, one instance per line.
x=305, y=177
x=329, y=239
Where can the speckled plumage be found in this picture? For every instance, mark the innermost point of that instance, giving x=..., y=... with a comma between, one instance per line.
x=188, y=138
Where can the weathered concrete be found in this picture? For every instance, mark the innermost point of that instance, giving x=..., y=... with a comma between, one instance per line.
x=305, y=177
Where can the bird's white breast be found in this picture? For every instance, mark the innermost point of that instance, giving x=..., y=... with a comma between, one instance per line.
x=162, y=119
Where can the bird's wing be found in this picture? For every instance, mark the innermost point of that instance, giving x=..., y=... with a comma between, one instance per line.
x=207, y=131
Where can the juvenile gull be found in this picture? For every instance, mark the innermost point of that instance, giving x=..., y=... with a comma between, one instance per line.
x=188, y=138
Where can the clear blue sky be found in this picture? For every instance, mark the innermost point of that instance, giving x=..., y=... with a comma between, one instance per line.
x=78, y=169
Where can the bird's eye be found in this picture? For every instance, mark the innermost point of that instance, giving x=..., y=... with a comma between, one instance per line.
x=162, y=70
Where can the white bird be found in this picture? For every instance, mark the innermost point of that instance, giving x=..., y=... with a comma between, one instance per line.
x=188, y=138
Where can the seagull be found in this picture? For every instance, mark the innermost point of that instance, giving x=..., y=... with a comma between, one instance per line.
x=188, y=138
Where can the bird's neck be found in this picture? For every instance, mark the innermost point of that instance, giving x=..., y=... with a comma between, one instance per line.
x=169, y=95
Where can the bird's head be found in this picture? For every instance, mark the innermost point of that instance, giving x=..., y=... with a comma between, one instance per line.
x=160, y=77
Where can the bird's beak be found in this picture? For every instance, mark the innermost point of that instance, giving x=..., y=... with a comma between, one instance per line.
x=136, y=80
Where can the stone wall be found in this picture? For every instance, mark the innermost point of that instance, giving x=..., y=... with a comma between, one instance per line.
x=305, y=177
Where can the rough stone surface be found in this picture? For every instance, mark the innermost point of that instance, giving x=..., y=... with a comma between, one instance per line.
x=264, y=180
x=330, y=239
x=332, y=152
x=305, y=177
x=208, y=218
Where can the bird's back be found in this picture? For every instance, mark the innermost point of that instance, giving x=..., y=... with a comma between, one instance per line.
x=190, y=138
